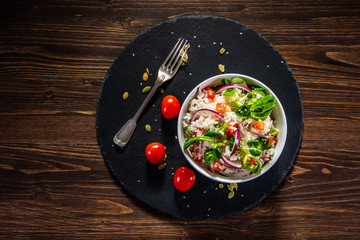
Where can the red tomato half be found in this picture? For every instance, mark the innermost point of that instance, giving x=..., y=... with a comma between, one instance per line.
x=170, y=107
x=184, y=179
x=155, y=152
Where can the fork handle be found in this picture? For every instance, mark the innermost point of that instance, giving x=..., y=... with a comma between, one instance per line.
x=123, y=136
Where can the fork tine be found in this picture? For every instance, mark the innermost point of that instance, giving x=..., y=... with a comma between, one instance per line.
x=175, y=53
x=181, y=54
x=171, y=53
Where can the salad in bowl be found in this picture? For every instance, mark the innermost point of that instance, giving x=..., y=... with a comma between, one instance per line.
x=232, y=128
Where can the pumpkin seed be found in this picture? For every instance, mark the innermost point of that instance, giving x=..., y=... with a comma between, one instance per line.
x=231, y=194
x=221, y=51
x=147, y=70
x=221, y=67
x=146, y=89
x=221, y=185
x=161, y=90
x=162, y=166
x=125, y=95
x=148, y=127
x=145, y=76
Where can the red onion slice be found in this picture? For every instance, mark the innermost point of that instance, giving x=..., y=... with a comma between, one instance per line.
x=261, y=135
x=236, y=142
x=233, y=85
x=204, y=110
x=231, y=164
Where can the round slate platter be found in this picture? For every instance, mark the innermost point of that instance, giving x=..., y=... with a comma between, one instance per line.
x=247, y=52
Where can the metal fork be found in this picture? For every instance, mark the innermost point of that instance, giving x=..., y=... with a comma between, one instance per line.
x=167, y=71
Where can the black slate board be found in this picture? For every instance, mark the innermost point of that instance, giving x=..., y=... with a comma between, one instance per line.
x=247, y=53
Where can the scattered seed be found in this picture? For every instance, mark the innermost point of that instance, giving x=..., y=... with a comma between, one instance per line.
x=221, y=185
x=145, y=76
x=147, y=70
x=231, y=194
x=148, y=128
x=162, y=166
x=125, y=95
x=221, y=68
x=221, y=51
x=161, y=90
x=165, y=156
x=146, y=89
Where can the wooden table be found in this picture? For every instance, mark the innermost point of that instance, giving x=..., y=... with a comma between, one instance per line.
x=54, y=183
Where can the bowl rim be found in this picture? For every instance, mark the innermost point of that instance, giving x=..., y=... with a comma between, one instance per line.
x=180, y=132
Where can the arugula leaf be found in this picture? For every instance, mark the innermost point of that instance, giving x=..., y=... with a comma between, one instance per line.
x=230, y=93
x=196, y=139
x=255, y=152
x=239, y=80
x=243, y=112
x=211, y=154
x=261, y=108
x=258, y=145
x=225, y=81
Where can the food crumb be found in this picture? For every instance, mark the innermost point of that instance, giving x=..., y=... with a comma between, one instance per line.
x=148, y=127
x=209, y=209
x=162, y=166
x=161, y=90
x=221, y=68
x=184, y=92
x=205, y=191
x=146, y=89
x=159, y=129
x=221, y=51
x=176, y=137
x=146, y=76
x=198, y=45
x=125, y=95
x=184, y=197
x=221, y=185
x=214, y=43
x=241, y=33
x=155, y=120
x=190, y=74
x=172, y=33
x=282, y=61
x=133, y=54
x=267, y=65
x=138, y=180
x=231, y=194
x=194, y=36
x=188, y=205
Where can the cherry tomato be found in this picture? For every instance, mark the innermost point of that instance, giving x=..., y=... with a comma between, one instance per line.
x=210, y=93
x=220, y=108
x=271, y=141
x=251, y=161
x=259, y=125
x=230, y=131
x=170, y=107
x=155, y=152
x=184, y=179
x=217, y=165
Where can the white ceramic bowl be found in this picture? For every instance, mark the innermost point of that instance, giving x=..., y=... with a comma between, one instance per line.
x=277, y=114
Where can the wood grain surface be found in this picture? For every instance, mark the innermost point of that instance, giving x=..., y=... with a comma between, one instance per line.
x=54, y=183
